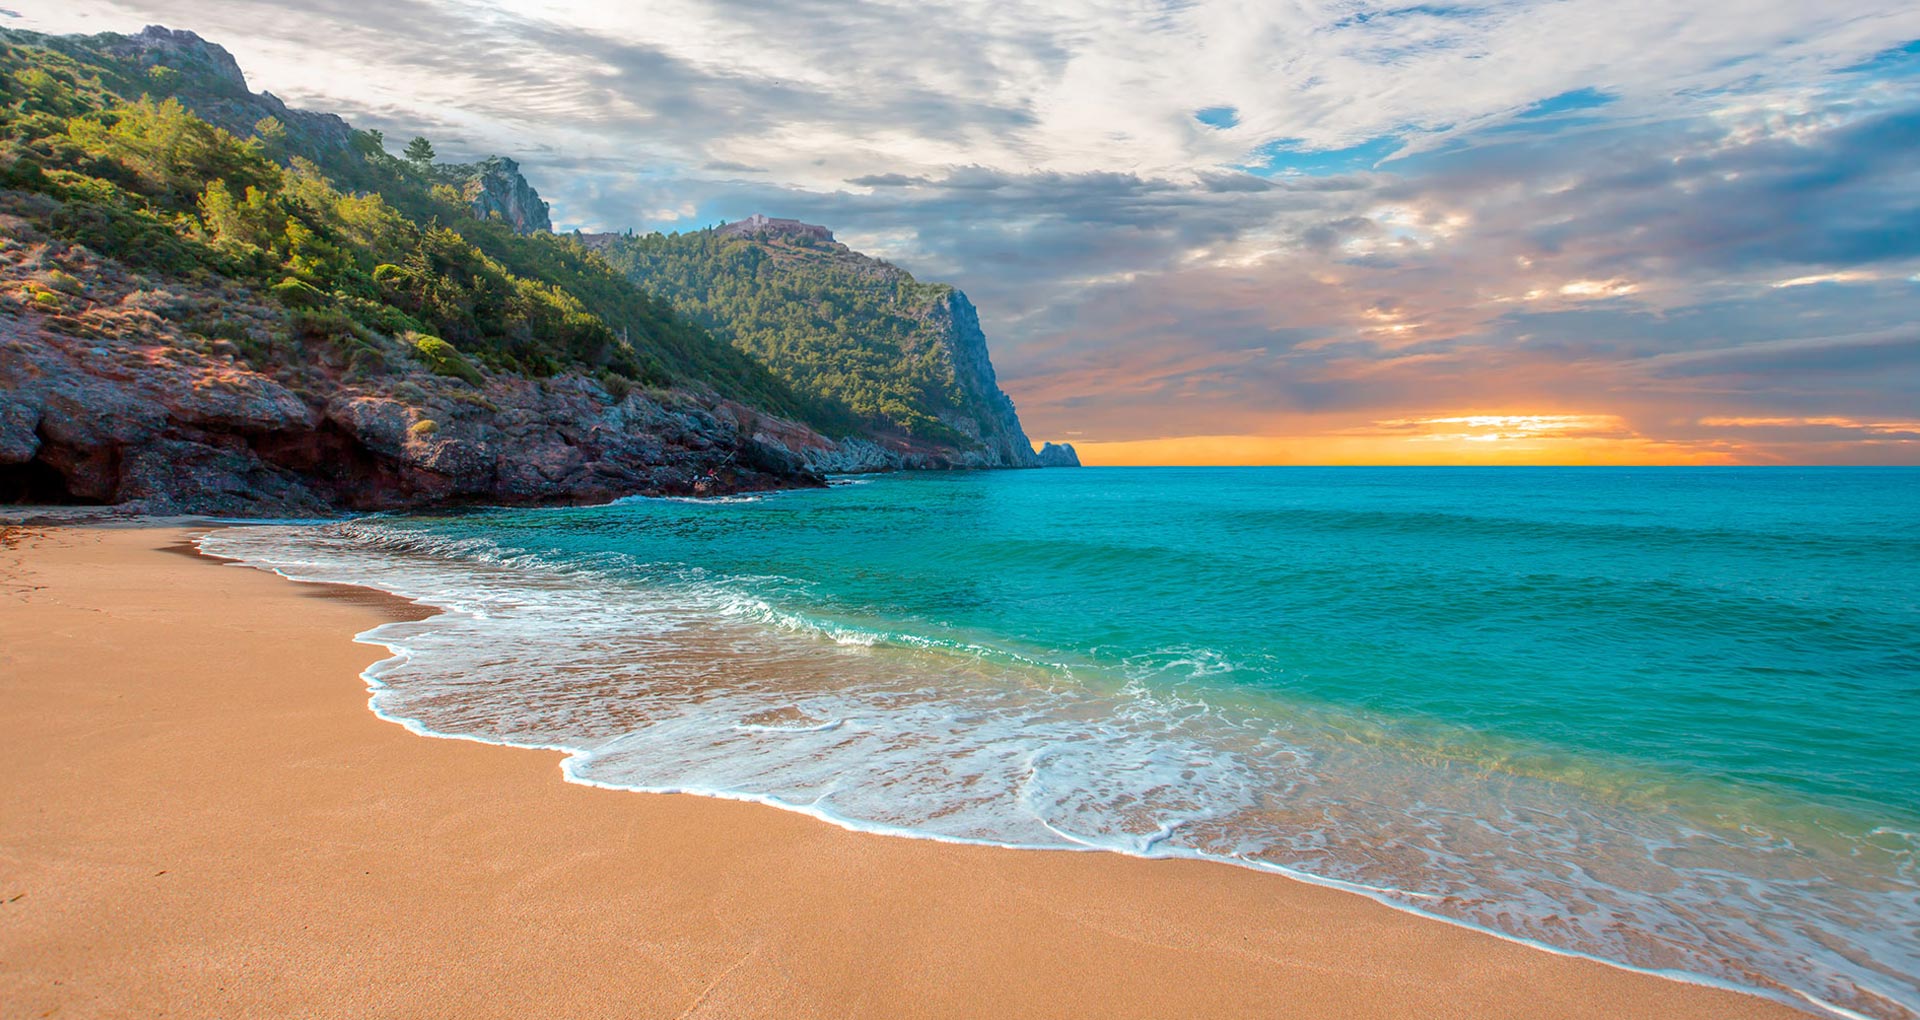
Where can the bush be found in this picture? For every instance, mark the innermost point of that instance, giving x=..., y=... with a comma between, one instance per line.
x=442, y=358
x=324, y=324
x=64, y=282
x=229, y=330
x=163, y=79
x=423, y=428
x=298, y=293
x=617, y=385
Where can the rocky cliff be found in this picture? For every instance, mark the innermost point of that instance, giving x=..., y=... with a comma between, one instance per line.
x=985, y=415
x=341, y=340
x=494, y=187
x=901, y=367
x=208, y=81
x=1058, y=455
x=110, y=402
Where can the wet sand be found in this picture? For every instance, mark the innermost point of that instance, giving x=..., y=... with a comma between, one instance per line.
x=202, y=818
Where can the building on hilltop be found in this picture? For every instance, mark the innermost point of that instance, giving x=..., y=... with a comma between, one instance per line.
x=758, y=224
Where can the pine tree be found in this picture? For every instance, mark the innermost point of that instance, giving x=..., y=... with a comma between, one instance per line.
x=419, y=151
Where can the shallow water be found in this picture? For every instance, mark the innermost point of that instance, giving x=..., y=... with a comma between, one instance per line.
x=1664, y=717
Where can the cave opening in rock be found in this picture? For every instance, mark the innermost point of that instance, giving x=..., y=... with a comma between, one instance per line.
x=37, y=483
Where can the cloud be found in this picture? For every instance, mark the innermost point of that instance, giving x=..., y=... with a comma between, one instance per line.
x=1220, y=219
x=886, y=181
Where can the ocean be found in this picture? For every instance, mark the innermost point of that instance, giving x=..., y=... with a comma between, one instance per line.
x=1669, y=718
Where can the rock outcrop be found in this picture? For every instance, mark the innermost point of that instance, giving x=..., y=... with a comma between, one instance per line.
x=987, y=416
x=908, y=359
x=211, y=84
x=168, y=430
x=110, y=400
x=1058, y=455
x=495, y=188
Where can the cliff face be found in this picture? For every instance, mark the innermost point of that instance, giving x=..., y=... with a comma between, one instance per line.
x=211, y=84
x=901, y=367
x=107, y=398
x=986, y=415
x=165, y=428
x=495, y=188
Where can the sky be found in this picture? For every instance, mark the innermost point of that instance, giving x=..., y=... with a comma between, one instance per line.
x=1280, y=232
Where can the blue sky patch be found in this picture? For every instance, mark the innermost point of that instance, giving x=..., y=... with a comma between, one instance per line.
x=1286, y=156
x=1899, y=60
x=1218, y=116
x=1413, y=10
x=1567, y=102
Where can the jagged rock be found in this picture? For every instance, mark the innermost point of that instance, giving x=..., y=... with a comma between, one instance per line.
x=158, y=45
x=19, y=424
x=220, y=95
x=994, y=423
x=497, y=189
x=1058, y=455
x=157, y=426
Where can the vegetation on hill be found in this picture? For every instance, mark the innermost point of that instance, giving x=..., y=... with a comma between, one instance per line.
x=827, y=320
x=101, y=150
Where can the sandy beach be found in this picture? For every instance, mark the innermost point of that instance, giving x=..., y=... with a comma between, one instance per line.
x=201, y=818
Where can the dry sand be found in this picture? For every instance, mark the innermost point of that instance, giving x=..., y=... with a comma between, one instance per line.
x=201, y=818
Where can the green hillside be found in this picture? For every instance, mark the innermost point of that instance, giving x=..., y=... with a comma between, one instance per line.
x=103, y=147
x=859, y=332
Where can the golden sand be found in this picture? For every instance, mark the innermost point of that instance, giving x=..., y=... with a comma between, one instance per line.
x=201, y=818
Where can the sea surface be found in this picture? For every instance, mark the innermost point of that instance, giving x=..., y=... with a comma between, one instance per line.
x=1665, y=717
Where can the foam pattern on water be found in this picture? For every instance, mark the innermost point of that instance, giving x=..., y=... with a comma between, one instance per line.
x=684, y=681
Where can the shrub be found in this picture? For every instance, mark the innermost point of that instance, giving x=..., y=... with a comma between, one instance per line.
x=298, y=293
x=324, y=324
x=230, y=330
x=617, y=385
x=162, y=78
x=423, y=428
x=442, y=358
x=64, y=281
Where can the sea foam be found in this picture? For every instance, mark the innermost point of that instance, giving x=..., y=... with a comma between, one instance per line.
x=699, y=684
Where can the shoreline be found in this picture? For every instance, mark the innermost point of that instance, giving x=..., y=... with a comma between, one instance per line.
x=405, y=609
x=1478, y=973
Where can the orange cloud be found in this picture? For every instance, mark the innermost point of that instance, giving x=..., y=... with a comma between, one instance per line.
x=1901, y=429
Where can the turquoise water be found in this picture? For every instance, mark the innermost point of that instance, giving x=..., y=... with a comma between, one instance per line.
x=1666, y=717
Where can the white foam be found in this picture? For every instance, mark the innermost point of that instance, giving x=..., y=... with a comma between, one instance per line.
x=705, y=689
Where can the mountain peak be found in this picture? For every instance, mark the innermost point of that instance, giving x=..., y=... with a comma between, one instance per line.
x=184, y=50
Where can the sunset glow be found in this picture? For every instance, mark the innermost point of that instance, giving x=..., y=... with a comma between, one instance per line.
x=1466, y=439
x=1569, y=233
